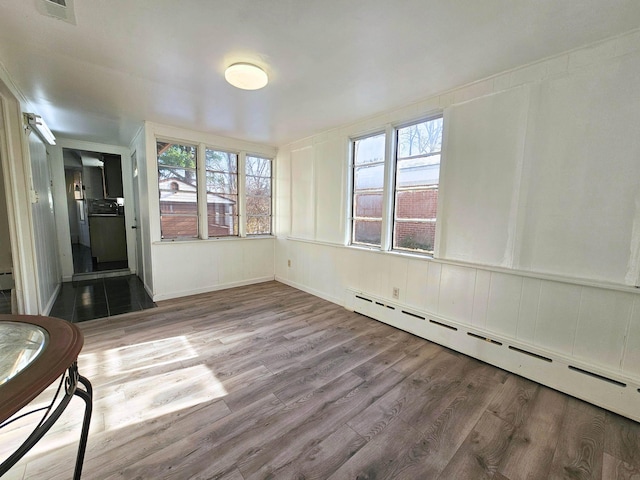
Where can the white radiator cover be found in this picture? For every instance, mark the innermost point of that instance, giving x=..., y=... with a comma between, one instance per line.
x=609, y=390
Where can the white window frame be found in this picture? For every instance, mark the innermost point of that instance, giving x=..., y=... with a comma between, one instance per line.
x=352, y=179
x=198, y=182
x=244, y=196
x=202, y=220
x=389, y=187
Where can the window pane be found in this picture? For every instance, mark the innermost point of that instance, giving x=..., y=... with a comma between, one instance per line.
x=258, y=225
x=417, y=203
x=172, y=154
x=222, y=192
x=176, y=179
x=177, y=186
x=414, y=236
x=368, y=150
x=258, y=206
x=221, y=161
x=258, y=166
x=416, y=185
x=222, y=225
x=420, y=138
x=369, y=232
x=418, y=172
x=258, y=185
x=258, y=195
x=369, y=177
x=368, y=205
x=222, y=182
x=173, y=226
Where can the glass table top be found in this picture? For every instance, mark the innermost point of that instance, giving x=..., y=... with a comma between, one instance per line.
x=20, y=345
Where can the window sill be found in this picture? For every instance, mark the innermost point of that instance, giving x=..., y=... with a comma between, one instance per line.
x=212, y=239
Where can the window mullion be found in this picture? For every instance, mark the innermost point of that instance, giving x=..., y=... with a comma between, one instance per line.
x=201, y=176
x=242, y=201
x=388, y=187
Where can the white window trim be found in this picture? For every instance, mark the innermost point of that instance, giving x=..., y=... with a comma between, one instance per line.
x=388, y=208
x=203, y=224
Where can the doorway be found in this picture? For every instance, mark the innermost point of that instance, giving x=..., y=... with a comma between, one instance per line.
x=95, y=201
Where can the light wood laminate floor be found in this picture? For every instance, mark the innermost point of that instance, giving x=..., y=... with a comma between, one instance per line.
x=268, y=382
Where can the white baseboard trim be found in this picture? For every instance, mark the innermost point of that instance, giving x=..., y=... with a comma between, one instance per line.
x=52, y=300
x=315, y=293
x=210, y=288
x=611, y=390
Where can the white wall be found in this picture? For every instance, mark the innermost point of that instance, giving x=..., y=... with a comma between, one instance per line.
x=539, y=226
x=15, y=165
x=44, y=225
x=186, y=267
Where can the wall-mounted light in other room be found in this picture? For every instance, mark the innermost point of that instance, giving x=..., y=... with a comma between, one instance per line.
x=246, y=76
x=37, y=122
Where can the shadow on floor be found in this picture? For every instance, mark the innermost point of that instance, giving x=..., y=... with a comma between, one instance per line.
x=105, y=297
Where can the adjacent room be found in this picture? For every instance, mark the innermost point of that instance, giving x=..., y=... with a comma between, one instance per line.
x=323, y=239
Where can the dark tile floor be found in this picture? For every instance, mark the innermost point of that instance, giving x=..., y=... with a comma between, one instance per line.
x=85, y=300
x=83, y=261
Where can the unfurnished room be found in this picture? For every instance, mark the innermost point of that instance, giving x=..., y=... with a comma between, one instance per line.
x=286, y=239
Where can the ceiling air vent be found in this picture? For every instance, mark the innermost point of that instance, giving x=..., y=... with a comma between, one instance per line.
x=60, y=9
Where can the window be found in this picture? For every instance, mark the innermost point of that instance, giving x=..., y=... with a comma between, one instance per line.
x=177, y=183
x=417, y=167
x=222, y=193
x=208, y=192
x=368, y=191
x=258, y=195
x=396, y=207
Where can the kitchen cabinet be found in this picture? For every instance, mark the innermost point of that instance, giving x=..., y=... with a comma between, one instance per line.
x=108, y=238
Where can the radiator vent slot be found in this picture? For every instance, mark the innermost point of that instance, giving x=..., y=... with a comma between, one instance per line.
x=531, y=354
x=440, y=324
x=413, y=315
x=486, y=339
x=599, y=377
x=390, y=307
x=365, y=299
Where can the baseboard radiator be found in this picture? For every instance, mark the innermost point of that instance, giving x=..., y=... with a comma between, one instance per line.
x=609, y=390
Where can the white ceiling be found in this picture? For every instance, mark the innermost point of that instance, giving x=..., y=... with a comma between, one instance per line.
x=331, y=62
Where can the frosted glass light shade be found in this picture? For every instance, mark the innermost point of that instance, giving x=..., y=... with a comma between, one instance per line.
x=246, y=76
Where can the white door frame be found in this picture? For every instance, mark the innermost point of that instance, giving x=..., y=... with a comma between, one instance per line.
x=60, y=199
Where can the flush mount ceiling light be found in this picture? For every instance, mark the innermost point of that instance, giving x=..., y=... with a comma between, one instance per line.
x=246, y=76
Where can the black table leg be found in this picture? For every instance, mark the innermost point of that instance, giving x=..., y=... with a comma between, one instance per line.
x=87, y=396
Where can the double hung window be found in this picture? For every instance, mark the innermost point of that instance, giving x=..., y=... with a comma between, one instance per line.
x=222, y=193
x=258, y=195
x=395, y=200
x=368, y=189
